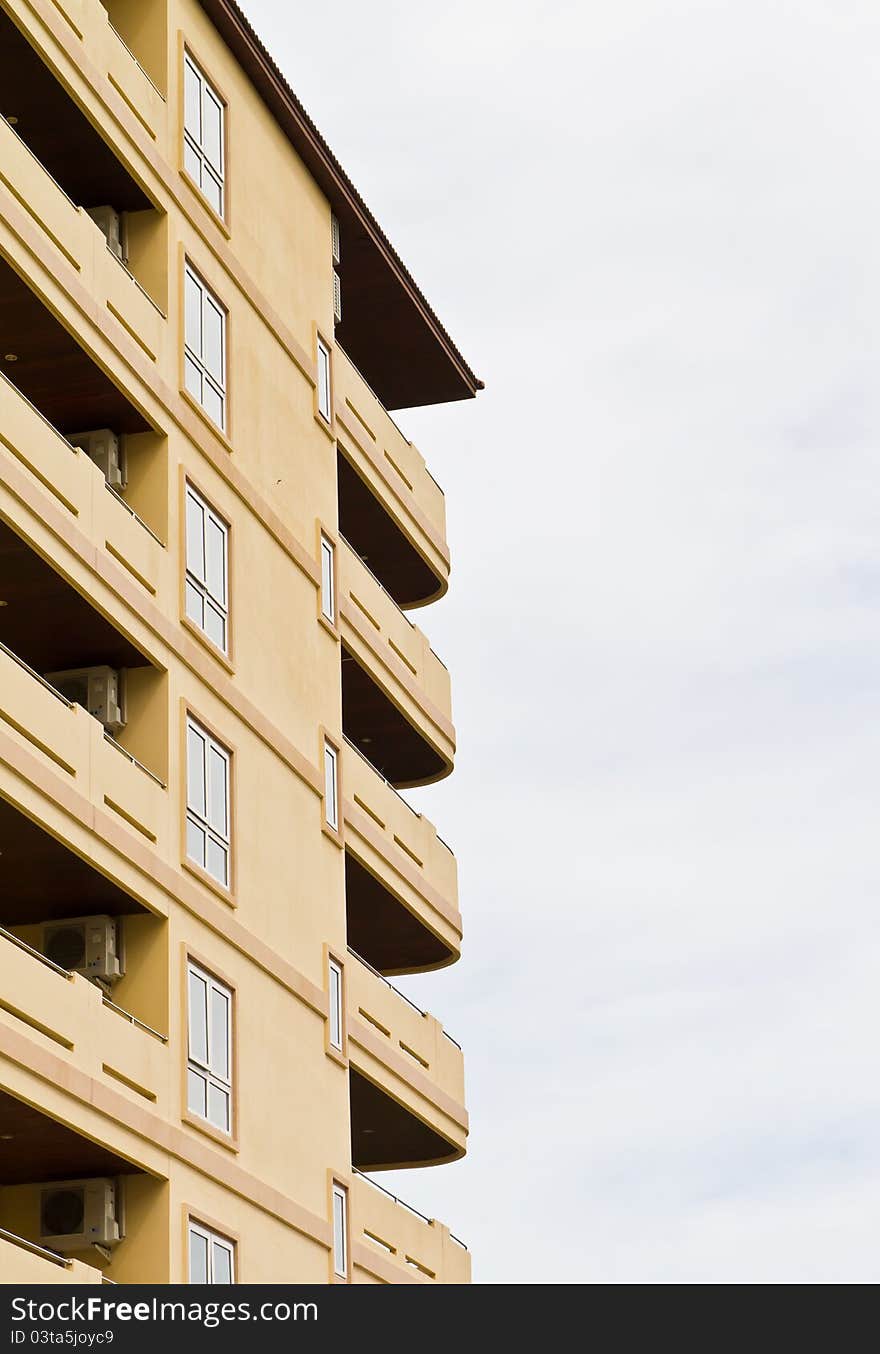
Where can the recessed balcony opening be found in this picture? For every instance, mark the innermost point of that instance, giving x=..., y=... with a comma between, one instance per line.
x=384, y=931
x=99, y=1189
x=385, y=1135
x=47, y=365
x=144, y=30
x=57, y=904
x=71, y=150
x=375, y=726
x=374, y=535
x=50, y=628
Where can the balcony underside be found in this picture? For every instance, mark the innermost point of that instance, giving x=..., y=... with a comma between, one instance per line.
x=52, y=370
x=383, y=930
x=46, y=622
x=374, y=535
x=385, y=1135
x=57, y=132
x=35, y=1148
x=43, y=880
x=385, y=736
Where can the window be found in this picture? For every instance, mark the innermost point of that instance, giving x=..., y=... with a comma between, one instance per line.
x=323, y=380
x=205, y=348
x=204, y=134
x=209, y=1066
x=340, y=1230
x=328, y=579
x=335, y=1005
x=207, y=802
x=211, y=1257
x=207, y=569
x=331, y=806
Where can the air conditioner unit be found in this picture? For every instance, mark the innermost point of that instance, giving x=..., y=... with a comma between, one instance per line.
x=87, y=945
x=98, y=690
x=102, y=446
x=109, y=222
x=76, y=1214
x=337, y=299
x=334, y=235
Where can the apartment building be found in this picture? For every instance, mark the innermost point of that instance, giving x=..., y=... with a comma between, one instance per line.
x=213, y=538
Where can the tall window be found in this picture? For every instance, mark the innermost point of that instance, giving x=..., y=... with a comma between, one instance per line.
x=331, y=787
x=335, y=1005
x=340, y=1230
x=211, y=1257
x=205, y=348
x=207, y=802
x=207, y=569
x=328, y=579
x=323, y=380
x=209, y=1066
x=204, y=135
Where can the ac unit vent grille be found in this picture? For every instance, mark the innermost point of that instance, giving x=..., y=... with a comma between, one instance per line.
x=67, y=948
x=63, y=1212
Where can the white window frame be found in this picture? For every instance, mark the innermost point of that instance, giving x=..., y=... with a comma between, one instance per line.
x=213, y=1239
x=200, y=165
x=200, y=820
x=194, y=357
x=337, y=988
x=208, y=1071
x=328, y=579
x=340, y=1230
x=325, y=398
x=219, y=605
x=331, y=785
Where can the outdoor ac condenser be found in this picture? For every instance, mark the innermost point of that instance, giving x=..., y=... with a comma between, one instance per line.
x=87, y=945
x=75, y=1214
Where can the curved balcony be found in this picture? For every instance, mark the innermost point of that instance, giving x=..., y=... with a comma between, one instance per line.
x=396, y=695
x=393, y=1243
x=407, y=1078
x=401, y=879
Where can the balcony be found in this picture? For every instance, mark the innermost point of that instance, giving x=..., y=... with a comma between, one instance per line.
x=22, y=1262
x=407, y=1078
x=392, y=1242
x=401, y=880
x=397, y=702
x=390, y=507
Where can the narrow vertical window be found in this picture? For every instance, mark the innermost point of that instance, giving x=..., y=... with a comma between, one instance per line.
x=205, y=348
x=323, y=380
x=207, y=802
x=204, y=135
x=331, y=787
x=207, y=569
x=211, y=1256
x=335, y=1005
x=340, y=1230
x=209, y=1066
x=328, y=579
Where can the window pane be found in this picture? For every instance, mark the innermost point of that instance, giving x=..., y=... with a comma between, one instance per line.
x=220, y=1033
x=212, y=191
x=335, y=1006
x=193, y=379
x=217, y=781
x=340, y=1260
x=198, y=1257
x=195, y=842
x=212, y=131
x=195, y=536
x=195, y=607
x=218, y=1107
x=215, y=626
x=192, y=102
x=213, y=350
x=192, y=163
x=197, y=1093
x=323, y=381
x=330, y=786
x=212, y=404
x=222, y=1263
x=193, y=315
x=217, y=863
x=328, y=603
x=198, y=1017
x=195, y=783
x=216, y=561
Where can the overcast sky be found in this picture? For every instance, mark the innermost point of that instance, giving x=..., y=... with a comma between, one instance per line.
x=653, y=230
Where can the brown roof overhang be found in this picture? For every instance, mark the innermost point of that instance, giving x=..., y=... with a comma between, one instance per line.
x=388, y=329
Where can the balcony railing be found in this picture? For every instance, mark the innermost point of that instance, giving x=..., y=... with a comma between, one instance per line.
x=396, y=990
x=33, y=1249
x=378, y=773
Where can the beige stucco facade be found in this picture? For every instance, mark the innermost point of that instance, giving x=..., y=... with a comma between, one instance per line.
x=94, y=1079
